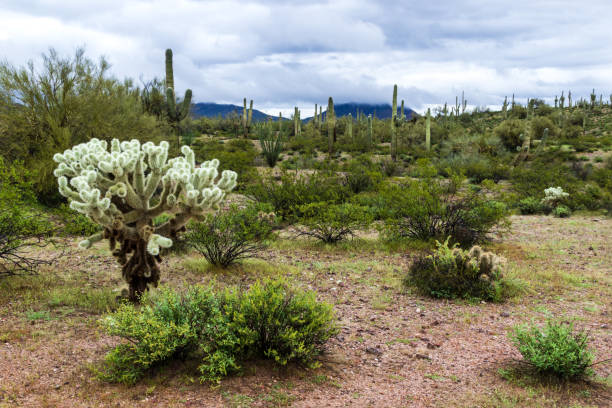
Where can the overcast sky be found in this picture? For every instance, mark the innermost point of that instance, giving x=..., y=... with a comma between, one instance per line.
x=286, y=53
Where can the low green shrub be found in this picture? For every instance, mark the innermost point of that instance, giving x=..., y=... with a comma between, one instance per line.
x=554, y=350
x=530, y=205
x=561, y=211
x=332, y=223
x=228, y=236
x=359, y=179
x=431, y=208
x=450, y=272
x=292, y=191
x=76, y=223
x=22, y=227
x=270, y=320
x=509, y=132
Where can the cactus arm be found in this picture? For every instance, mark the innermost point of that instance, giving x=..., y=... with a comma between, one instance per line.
x=169, y=70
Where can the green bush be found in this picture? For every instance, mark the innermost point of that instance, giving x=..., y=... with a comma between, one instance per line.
x=271, y=143
x=431, y=208
x=450, y=272
x=236, y=154
x=22, y=227
x=76, y=223
x=165, y=326
x=360, y=179
x=228, y=236
x=562, y=211
x=331, y=223
x=270, y=320
x=530, y=205
x=509, y=132
x=295, y=190
x=554, y=350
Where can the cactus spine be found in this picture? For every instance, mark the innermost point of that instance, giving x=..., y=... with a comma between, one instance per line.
x=393, y=119
x=176, y=113
x=330, y=120
x=428, y=130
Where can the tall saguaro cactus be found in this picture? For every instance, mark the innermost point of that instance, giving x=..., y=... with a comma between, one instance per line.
x=505, y=107
x=393, y=146
x=175, y=112
x=349, y=127
x=330, y=121
x=125, y=189
x=370, y=138
x=297, y=123
x=428, y=130
x=247, y=117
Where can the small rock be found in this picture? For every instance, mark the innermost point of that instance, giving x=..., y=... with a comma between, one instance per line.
x=422, y=356
x=504, y=314
x=418, y=310
x=604, y=326
x=591, y=247
x=373, y=350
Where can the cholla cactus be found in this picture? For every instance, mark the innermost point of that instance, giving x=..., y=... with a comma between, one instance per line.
x=553, y=196
x=120, y=191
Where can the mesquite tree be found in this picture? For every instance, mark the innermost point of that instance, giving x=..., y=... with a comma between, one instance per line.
x=125, y=189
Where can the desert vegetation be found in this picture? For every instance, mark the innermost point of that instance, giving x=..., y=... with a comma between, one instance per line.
x=148, y=256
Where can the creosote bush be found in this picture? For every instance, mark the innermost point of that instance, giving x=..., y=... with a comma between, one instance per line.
x=430, y=208
x=228, y=236
x=450, y=272
x=221, y=328
x=555, y=349
x=332, y=223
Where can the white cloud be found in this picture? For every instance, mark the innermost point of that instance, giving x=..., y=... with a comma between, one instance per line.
x=283, y=53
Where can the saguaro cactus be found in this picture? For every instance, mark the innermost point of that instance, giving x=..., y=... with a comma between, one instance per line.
x=393, y=146
x=370, y=136
x=349, y=127
x=505, y=107
x=330, y=121
x=175, y=112
x=120, y=190
x=428, y=130
x=247, y=117
x=297, y=122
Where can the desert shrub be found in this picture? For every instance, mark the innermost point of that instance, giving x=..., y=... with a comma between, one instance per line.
x=576, y=118
x=236, y=154
x=509, y=132
x=561, y=211
x=539, y=123
x=275, y=321
x=165, y=326
x=554, y=350
x=359, y=179
x=331, y=223
x=75, y=223
x=271, y=143
x=22, y=227
x=476, y=167
x=292, y=191
x=270, y=320
x=450, y=272
x=389, y=167
x=530, y=205
x=226, y=237
x=430, y=208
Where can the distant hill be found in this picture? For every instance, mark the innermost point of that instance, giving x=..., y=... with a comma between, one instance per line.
x=381, y=111
x=211, y=110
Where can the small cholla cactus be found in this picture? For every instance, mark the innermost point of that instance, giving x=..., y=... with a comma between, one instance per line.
x=125, y=189
x=553, y=196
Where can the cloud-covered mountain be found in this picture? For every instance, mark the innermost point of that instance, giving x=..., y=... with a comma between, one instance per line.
x=381, y=111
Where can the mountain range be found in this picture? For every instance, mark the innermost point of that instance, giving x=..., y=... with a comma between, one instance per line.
x=381, y=111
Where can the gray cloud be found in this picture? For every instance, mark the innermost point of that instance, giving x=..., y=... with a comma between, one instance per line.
x=283, y=53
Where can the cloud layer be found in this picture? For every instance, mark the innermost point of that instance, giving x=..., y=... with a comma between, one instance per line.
x=286, y=53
